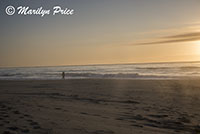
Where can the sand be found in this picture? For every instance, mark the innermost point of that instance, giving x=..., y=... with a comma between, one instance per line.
x=100, y=106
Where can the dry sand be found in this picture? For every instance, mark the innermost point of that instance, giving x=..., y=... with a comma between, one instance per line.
x=100, y=107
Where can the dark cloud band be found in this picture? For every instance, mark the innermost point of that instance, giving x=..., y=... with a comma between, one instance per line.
x=187, y=37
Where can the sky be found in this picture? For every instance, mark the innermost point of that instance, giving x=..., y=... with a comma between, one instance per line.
x=100, y=32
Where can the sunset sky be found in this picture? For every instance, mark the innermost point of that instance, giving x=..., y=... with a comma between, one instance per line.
x=101, y=32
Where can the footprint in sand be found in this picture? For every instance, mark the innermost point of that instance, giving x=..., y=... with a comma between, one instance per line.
x=57, y=108
x=36, y=127
x=137, y=125
x=26, y=115
x=6, y=116
x=103, y=132
x=7, y=132
x=21, y=117
x=34, y=124
x=16, y=112
x=13, y=128
x=24, y=130
x=7, y=122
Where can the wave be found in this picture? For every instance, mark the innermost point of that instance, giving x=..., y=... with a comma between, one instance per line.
x=168, y=68
x=106, y=71
x=10, y=74
x=81, y=75
x=190, y=67
x=153, y=68
x=95, y=75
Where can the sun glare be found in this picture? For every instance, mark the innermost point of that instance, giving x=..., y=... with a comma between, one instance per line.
x=197, y=47
x=197, y=42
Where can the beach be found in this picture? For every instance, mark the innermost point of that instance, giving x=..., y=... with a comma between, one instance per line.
x=99, y=106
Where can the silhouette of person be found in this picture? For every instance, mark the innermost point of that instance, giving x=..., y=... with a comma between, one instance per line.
x=63, y=75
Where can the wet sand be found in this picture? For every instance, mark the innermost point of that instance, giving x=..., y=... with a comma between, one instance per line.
x=100, y=106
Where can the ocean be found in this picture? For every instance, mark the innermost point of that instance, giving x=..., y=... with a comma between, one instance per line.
x=175, y=70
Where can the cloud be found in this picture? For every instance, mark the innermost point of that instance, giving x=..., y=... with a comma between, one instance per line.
x=179, y=38
x=187, y=35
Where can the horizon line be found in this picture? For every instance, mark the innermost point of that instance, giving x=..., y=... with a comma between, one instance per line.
x=96, y=64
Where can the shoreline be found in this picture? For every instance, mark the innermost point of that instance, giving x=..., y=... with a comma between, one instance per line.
x=118, y=79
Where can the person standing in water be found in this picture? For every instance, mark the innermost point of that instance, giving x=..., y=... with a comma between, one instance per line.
x=63, y=75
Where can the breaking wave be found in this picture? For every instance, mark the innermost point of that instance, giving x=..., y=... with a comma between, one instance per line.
x=119, y=71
